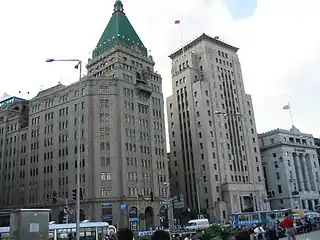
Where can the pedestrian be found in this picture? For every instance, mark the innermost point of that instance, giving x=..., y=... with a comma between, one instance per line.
x=243, y=235
x=287, y=223
x=125, y=234
x=272, y=228
x=160, y=235
x=259, y=232
x=188, y=237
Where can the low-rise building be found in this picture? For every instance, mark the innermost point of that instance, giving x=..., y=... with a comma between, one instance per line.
x=291, y=168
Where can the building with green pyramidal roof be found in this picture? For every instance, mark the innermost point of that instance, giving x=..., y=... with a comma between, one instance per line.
x=119, y=31
x=129, y=163
x=117, y=113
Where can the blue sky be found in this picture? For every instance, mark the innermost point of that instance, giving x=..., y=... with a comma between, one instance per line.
x=241, y=8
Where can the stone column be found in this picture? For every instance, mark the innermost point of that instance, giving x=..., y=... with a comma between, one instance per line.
x=313, y=205
x=305, y=174
x=298, y=171
x=310, y=167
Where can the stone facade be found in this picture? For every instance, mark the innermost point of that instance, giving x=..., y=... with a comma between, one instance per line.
x=123, y=150
x=291, y=168
x=214, y=152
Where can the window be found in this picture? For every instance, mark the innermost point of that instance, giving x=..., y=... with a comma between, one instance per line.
x=279, y=189
x=103, y=176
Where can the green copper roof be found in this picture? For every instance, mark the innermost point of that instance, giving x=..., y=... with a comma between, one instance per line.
x=119, y=31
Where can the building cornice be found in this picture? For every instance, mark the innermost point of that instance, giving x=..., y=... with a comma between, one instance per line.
x=283, y=131
x=198, y=40
x=288, y=144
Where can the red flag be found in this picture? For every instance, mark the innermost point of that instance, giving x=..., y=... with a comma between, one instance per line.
x=177, y=22
x=286, y=107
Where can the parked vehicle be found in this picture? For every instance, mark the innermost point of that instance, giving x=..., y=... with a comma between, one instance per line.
x=198, y=224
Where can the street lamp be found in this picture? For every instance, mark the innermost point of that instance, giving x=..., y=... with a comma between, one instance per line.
x=77, y=66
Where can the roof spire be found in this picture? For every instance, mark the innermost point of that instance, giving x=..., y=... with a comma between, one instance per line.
x=118, y=6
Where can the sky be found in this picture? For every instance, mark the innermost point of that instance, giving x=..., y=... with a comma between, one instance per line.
x=278, y=40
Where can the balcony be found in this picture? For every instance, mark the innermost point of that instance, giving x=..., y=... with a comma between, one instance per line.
x=143, y=87
x=295, y=193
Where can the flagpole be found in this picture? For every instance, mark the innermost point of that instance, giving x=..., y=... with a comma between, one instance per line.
x=181, y=36
x=290, y=112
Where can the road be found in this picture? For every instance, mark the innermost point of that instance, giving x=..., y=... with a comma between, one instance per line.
x=308, y=236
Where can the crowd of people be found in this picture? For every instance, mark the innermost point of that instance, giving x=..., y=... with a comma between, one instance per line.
x=271, y=230
x=127, y=234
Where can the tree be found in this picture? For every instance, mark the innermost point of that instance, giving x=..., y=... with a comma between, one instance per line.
x=219, y=232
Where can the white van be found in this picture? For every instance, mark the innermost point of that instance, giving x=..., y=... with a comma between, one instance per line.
x=198, y=224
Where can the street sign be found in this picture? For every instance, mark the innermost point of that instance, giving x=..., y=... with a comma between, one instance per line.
x=164, y=203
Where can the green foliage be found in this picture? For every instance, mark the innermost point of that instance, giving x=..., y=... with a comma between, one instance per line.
x=219, y=232
x=142, y=238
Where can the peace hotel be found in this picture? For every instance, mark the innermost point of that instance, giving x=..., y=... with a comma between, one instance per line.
x=123, y=153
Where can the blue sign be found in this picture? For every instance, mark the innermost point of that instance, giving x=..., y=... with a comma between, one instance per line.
x=106, y=204
x=133, y=219
x=107, y=217
x=123, y=206
x=246, y=223
x=147, y=233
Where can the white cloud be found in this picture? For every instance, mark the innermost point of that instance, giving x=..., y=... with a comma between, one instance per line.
x=279, y=45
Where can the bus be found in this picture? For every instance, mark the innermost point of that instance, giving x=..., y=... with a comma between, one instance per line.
x=88, y=231
x=281, y=213
x=247, y=219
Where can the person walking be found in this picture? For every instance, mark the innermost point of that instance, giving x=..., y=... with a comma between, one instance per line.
x=125, y=234
x=273, y=228
x=243, y=235
x=287, y=223
x=160, y=235
x=259, y=232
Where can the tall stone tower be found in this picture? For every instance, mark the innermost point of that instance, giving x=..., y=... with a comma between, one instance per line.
x=215, y=159
x=124, y=167
x=129, y=155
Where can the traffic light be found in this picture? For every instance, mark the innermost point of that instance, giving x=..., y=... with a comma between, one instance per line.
x=151, y=197
x=74, y=194
x=54, y=197
x=81, y=193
